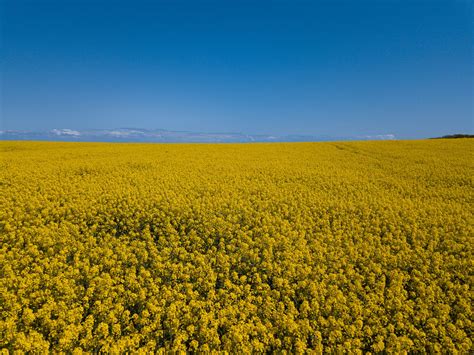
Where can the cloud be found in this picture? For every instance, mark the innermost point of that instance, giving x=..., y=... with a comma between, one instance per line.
x=118, y=133
x=66, y=132
x=125, y=133
x=379, y=137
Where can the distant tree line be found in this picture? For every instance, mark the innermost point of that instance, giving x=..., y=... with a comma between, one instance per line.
x=456, y=136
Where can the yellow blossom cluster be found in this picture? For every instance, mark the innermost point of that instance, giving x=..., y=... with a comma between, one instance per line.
x=332, y=247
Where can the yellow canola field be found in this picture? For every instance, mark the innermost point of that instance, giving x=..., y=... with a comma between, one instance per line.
x=331, y=247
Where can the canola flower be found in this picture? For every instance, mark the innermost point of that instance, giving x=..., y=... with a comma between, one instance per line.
x=325, y=247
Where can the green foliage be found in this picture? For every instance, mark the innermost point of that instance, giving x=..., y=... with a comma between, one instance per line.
x=331, y=247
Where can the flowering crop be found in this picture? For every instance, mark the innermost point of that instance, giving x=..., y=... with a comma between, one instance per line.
x=358, y=247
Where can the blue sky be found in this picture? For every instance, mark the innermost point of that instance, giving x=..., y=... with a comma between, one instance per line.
x=339, y=68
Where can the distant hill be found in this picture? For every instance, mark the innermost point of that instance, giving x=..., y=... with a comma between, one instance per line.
x=165, y=136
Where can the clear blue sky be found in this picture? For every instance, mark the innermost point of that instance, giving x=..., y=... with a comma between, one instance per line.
x=277, y=67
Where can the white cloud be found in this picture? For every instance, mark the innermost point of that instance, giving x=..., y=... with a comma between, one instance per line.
x=119, y=133
x=379, y=137
x=66, y=132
